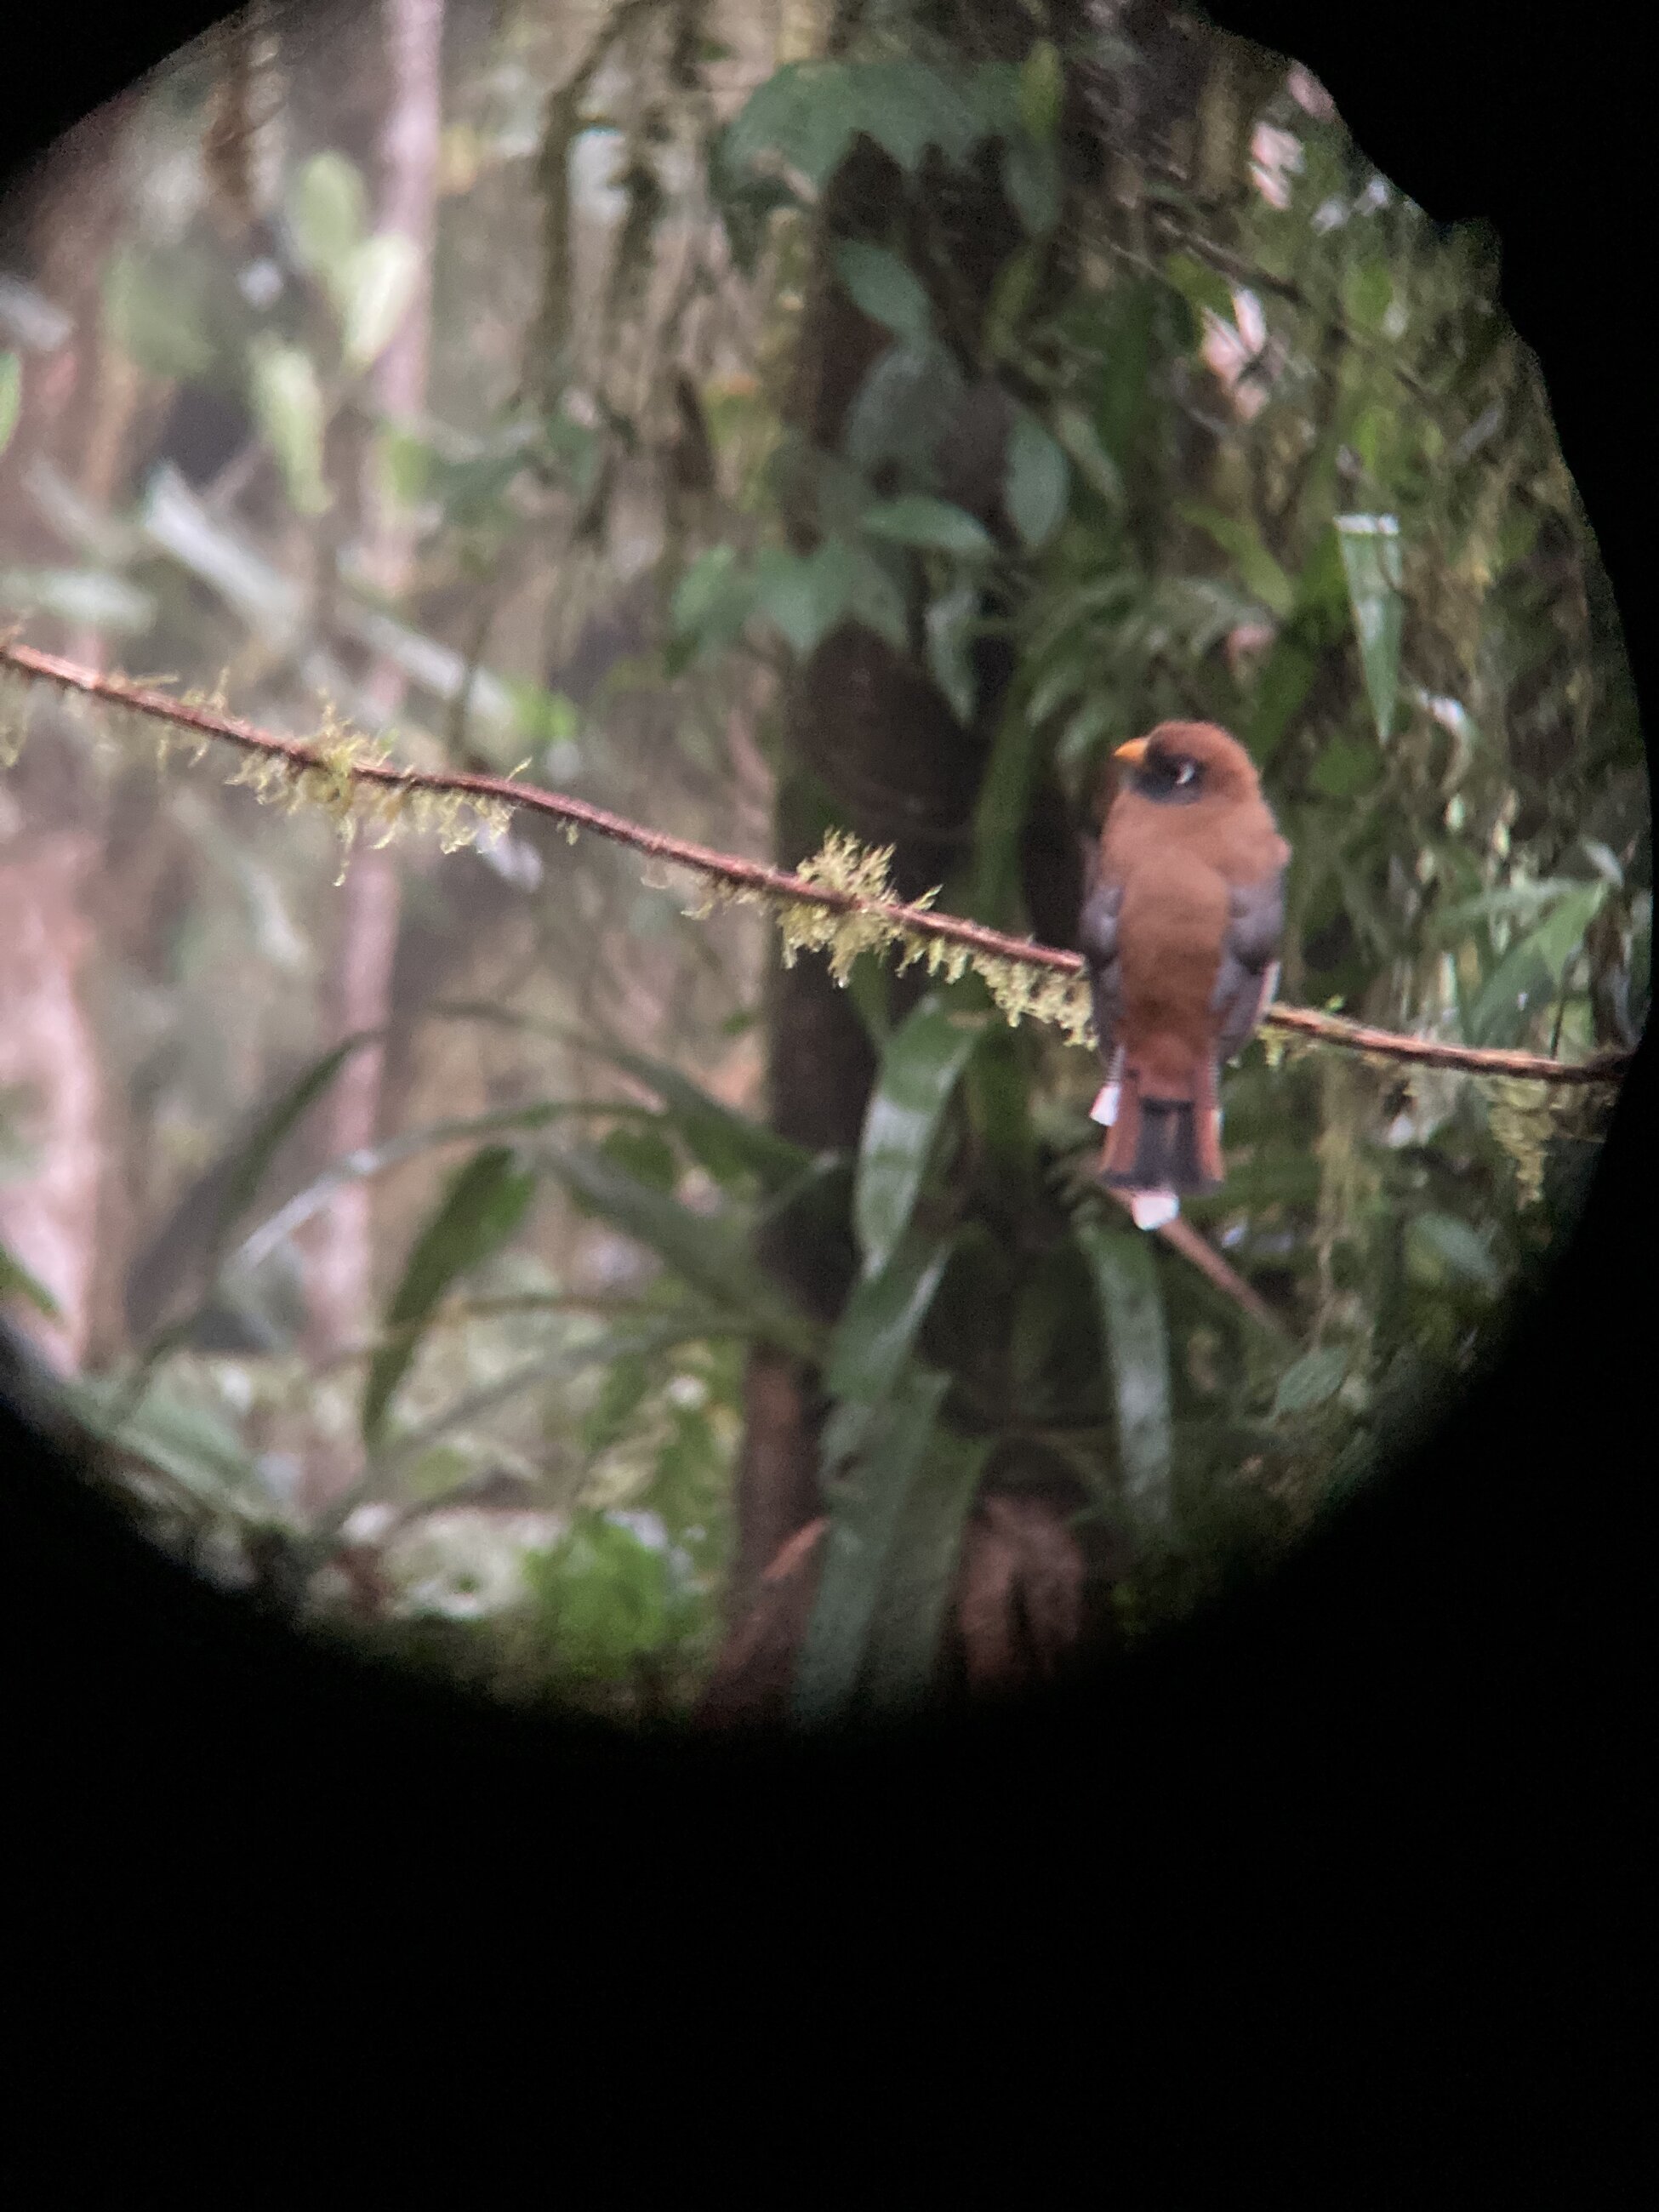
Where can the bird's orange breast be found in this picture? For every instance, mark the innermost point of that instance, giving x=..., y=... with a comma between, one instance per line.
x=1173, y=918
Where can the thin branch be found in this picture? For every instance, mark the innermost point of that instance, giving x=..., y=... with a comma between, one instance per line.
x=1181, y=1236
x=758, y=877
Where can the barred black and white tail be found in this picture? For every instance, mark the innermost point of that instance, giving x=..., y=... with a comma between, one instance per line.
x=1164, y=1144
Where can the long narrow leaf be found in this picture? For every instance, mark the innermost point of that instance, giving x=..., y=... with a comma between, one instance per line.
x=1532, y=967
x=480, y=1209
x=1138, y=1358
x=705, y=1252
x=909, y=1623
x=725, y=1141
x=857, y=1550
x=880, y=1321
x=919, y=1070
x=375, y=1159
x=1370, y=560
x=249, y=1165
x=1262, y=575
x=191, y=1444
x=16, y=1279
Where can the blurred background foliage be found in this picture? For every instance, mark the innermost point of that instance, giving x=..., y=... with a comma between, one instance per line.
x=763, y=418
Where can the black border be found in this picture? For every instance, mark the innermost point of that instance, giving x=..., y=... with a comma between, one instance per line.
x=1440, y=1708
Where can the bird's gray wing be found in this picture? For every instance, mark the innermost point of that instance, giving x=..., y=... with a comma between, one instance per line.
x=1098, y=938
x=1249, y=965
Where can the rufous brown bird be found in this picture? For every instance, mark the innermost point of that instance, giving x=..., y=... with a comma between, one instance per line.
x=1182, y=919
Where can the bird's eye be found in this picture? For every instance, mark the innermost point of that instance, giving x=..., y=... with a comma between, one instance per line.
x=1185, y=772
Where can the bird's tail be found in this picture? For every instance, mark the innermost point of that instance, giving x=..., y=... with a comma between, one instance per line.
x=1165, y=1143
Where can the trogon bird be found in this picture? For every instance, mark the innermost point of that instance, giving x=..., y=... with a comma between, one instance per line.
x=1182, y=919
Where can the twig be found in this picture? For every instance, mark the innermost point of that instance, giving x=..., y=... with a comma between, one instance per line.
x=1182, y=1238
x=757, y=876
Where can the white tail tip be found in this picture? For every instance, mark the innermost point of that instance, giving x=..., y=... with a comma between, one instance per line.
x=1104, y=1109
x=1152, y=1209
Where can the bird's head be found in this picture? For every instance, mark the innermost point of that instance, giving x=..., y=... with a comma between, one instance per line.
x=1185, y=763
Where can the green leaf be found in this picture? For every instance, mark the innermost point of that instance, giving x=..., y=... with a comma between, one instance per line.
x=481, y=1205
x=886, y=291
x=248, y=1165
x=918, y=518
x=16, y=1281
x=607, y=1596
x=908, y=395
x=746, y=204
x=90, y=597
x=713, y=600
x=875, y=599
x=803, y=113
x=1439, y=1244
x=154, y=323
x=1317, y=620
x=1370, y=560
x=1038, y=481
x=907, y=106
x=1077, y=434
x=1000, y=816
x=728, y=1144
x=1042, y=90
x=1082, y=735
x=1031, y=180
x=644, y=1153
x=703, y=1251
x=1368, y=295
x=327, y=216
x=288, y=405
x=805, y=594
x=882, y=1317
x=997, y=1095
x=1310, y=1381
x=191, y=1443
x=621, y=1395
x=1010, y=296
x=949, y=623
x=1532, y=967
x=434, y=1474
x=807, y=114
x=11, y=396
x=1562, y=932
x=1261, y=574
x=1347, y=767
x=406, y=464
x=908, y=1625
x=918, y=1072
x=864, y=1520
x=374, y=293
x=1200, y=285
x=278, y=1227
x=1127, y=383
x=1285, y=680
x=1138, y=1357
x=1521, y=902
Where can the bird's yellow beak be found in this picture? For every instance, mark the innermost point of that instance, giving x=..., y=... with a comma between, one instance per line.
x=1134, y=752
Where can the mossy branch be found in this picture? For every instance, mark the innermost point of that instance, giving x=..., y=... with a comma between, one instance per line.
x=839, y=902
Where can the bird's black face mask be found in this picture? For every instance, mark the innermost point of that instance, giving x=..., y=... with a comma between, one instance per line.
x=1172, y=779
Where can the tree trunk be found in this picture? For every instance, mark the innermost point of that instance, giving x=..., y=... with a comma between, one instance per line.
x=50, y=1082
x=340, y=1276
x=872, y=744
x=51, y=834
